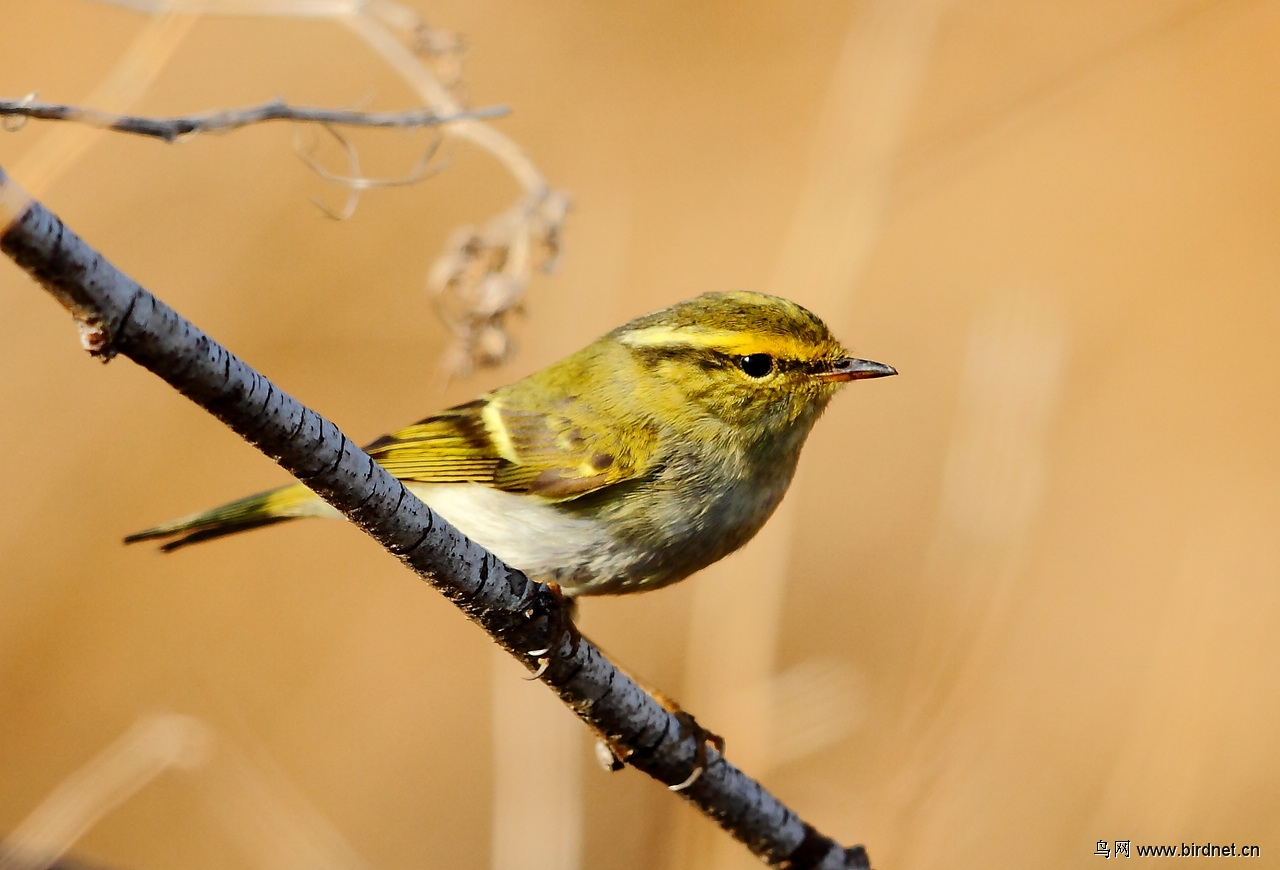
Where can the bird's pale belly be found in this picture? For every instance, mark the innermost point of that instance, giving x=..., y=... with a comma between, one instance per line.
x=589, y=555
x=545, y=543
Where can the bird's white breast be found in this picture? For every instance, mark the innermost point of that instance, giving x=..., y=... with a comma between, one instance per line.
x=528, y=534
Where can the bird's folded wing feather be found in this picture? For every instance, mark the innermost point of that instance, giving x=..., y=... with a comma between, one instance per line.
x=515, y=449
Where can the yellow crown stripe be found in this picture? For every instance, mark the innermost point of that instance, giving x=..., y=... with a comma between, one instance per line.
x=729, y=341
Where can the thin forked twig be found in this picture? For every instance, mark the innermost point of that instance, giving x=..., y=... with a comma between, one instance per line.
x=185, y=127
x=481, y=277
x=355, y=180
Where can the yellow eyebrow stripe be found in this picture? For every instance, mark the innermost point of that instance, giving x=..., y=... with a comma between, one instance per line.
x=723, y=340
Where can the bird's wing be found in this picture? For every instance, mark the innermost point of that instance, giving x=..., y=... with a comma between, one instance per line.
x=495, y=442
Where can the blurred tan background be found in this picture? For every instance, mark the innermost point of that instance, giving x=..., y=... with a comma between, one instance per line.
x=1022, y=598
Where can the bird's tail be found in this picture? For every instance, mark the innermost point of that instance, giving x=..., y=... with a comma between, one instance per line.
x=263, y=509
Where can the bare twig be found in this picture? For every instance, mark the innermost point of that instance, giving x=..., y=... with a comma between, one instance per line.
x=479, y=280
x=188, y=126
x=355, y=180
x=117, y=316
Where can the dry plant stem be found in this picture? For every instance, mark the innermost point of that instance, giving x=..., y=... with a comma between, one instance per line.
x=173, y=129
x=62, y=863
x=480, y=279
x=117, y=316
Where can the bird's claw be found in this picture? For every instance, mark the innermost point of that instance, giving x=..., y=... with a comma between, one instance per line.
x=689, y=727
x=560, y=626
x=543, y=663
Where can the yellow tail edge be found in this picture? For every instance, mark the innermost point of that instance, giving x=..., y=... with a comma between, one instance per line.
x=251, y=512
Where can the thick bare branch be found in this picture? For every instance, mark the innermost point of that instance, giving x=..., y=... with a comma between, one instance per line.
x=117, y=316
x=174, y=129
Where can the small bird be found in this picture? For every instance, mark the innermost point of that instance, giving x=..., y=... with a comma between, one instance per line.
x=658, y=449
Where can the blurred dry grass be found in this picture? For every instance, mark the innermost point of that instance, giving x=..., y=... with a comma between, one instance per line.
x=1024, y=596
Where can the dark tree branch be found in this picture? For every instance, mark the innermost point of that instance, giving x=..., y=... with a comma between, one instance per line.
x=117, y=316
x=173, y=129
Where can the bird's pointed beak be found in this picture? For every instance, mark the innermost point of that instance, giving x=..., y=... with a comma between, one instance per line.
x=849, y=369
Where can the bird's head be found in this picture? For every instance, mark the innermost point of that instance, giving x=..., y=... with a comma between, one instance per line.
x=758, y=363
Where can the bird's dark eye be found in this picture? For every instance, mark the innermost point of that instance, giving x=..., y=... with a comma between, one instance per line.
x=756, y=365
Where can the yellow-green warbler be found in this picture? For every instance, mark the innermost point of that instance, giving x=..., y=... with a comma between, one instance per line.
x=649, y=454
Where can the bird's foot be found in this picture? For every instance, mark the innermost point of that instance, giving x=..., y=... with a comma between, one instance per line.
x=560, y=627
x=689, y=727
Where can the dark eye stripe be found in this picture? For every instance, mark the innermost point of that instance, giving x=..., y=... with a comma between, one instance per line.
x=709, y=358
